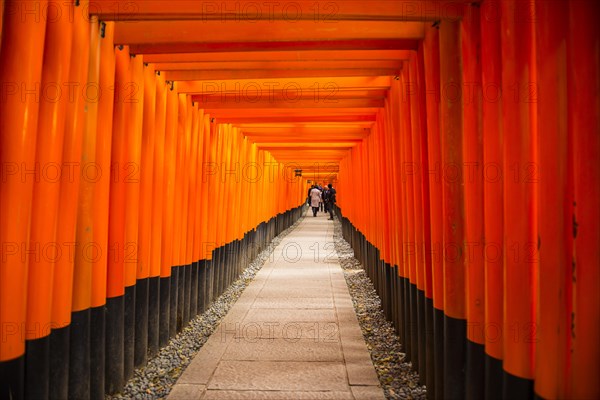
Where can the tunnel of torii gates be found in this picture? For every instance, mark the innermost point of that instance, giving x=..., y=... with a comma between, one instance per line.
x=149, y=150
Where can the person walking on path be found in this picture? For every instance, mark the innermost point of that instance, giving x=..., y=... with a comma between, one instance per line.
x=330, y=200
x=320, y=202
x=315, y=199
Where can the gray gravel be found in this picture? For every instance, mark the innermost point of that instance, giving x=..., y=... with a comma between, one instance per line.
x=155, y=380
x=396, y=376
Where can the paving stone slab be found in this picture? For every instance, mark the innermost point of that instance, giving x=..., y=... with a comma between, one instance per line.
x=270, y=375
x=186, y=392
x=276, y=395
x=284, y=350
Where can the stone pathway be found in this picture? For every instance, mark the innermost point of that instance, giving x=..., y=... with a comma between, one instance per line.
x=293, y=333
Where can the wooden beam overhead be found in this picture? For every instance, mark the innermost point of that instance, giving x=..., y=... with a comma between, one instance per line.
x=201, y=46
x=269, y=65
x=290, y=55
x=305, y=84
x=284, y=104
x=228, y=13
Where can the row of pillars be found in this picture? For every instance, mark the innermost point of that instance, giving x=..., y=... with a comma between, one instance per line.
x=474, y=203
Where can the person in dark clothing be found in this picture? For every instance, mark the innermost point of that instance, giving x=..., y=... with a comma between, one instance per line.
x=330, y=200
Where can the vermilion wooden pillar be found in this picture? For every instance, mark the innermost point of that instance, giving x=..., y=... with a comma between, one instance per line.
x=20, y=68
x=409, y=243
x=583, y=122
x=156, y=226
x=46, y=192
x=191, y=294
x=101, y=209
x=451, y=129
x=81, y=350
x=418, y=127
x=115, y=285
x=555, y=203
x=168, y=215
x=520, y=211
x=520, y=205
x=134, y=100
x=431, y=61
x=472, y=177
x=423, y=166
x=146, y=176
x=491, y=81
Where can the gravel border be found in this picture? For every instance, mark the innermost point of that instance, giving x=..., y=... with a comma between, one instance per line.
x=396, y=376
x=156, y=379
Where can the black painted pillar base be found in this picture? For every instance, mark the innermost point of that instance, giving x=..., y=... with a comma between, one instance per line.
x=115, y=339
x=514, y=387
x=414, y=327
x=59, y=363
x=401, y=315
x=37, y=368
x=164, y=314
x=438, y=353
x=97, y=352
x=129, y=331
x=422, y=337
x=173, y=298
x=194, y=290
x=181, y=306
x=153, y=315
x=12, y=378
x=210, y=272
x=429, y=349
x=201, y=286
x=493, y=378
x=475, y=374
x=79, y=355
x=187, y=294
x=454, y=357
x=141, y=323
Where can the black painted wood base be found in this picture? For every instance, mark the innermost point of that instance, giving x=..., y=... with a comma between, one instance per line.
x=514, y=387
x=37, y=368
x=59, y=363
x=174, y=297
x=97, y=352
x=140, y=350
x=153, y=315
x=438, y=345
x=180, y=297
x=12, y=379
x=493, y=378
x=79, y=355
x=422, y=367
x=129, y=336
x=475, y=371
x=164, y=311
x=455, y=338
x=429, y=380
x=201, y=286
x=115, y=339
x=186, y=293
x=194, y=290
